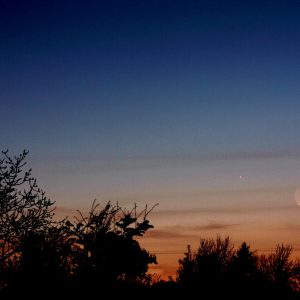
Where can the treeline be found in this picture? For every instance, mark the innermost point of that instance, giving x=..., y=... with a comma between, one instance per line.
x=217, y=269
x=99, y=251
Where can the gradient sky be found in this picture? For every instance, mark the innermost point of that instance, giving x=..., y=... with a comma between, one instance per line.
x=190, y=104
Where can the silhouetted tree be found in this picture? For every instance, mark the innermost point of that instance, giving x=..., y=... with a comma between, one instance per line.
x=24, y=208
x=106, y=252
x=186, y=273
x=208, y=265
x=40, y=263
x=244, y=263
x=217, y=270
x=281, y=269
x=243, y=274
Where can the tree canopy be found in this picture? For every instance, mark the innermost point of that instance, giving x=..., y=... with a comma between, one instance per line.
x=24, y=208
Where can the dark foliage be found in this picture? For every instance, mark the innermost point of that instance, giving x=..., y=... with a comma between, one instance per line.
x=24, y=211
x=105, y=252
x=99, y=250
x=218, y=270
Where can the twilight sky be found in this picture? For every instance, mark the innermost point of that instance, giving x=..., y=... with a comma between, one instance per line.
x=190, y=104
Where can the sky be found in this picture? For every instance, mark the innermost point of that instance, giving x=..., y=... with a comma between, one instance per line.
x=190, y=104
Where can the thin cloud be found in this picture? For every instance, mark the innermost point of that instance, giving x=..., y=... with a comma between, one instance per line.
x=291, y=227
x=166, y=234
x=178, y=232
x=203, y=210
x=214, y=226
x=197, y=228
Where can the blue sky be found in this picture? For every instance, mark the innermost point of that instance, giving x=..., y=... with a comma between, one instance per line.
x=165, y=82
x=140, y=78
x=192, y=104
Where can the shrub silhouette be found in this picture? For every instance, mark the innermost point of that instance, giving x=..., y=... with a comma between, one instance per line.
x=105, y=252
x=41, y=264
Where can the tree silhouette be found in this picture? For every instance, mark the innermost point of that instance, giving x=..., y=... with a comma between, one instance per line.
x=245, y=261
x=24, y=208
x=244, y=275
x=281, y=269
x=187, y=268
x=217, y=270
x=207, y=266
x=42, y=263
x=105, y=250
